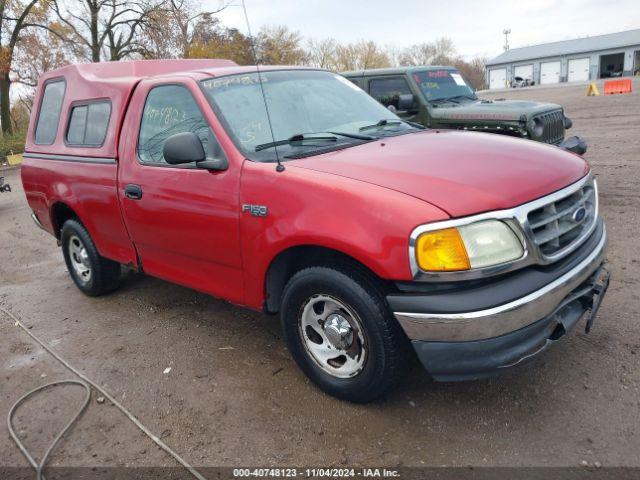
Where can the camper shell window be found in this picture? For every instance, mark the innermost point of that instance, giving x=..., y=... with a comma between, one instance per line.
x=88, y=122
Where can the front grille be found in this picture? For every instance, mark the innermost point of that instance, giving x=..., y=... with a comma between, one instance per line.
x=558, y=224
x=552, y=127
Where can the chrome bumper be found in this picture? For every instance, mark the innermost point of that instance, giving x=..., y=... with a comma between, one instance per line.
x=509, y=317
x=35, y=219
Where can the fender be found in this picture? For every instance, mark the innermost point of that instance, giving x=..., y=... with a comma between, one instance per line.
x=368, y=223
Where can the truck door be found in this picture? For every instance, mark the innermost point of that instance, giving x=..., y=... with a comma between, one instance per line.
x=389, y=90
x=183, y=220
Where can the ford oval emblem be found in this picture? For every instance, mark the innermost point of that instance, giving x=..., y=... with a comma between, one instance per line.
x=579, y=214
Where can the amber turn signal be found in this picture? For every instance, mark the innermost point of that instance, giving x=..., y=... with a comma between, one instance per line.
x=442, y=251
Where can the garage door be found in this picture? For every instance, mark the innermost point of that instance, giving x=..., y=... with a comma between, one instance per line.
x=498, y=78
x=578, y=70
x=550, y=72
x=524, y=71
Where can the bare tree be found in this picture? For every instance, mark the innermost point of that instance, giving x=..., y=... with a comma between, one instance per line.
x=172, y=31
x=105, y=29
x=222, y=42
x=440, y=52
x=38, y=51
x=322, y=53
x=277, y=45
x=15, y=18
x=473, y=71
x=361, y=55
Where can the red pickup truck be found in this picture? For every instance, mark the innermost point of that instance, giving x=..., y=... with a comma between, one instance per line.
x=291, y=190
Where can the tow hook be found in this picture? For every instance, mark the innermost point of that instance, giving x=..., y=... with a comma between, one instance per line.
x=599, y=289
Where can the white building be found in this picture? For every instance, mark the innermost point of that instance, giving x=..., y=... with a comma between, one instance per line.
x=577, y=60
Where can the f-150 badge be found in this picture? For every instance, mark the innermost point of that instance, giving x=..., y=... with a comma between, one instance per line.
x=255, y=210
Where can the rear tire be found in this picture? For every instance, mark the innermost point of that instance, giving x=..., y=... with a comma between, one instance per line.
x=93, y=274
x=342, y=335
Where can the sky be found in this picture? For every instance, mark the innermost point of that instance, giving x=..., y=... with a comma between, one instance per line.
x=474, y=26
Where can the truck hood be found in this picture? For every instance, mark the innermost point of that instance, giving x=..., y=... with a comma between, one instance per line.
x=500, y=110
x=462, y=173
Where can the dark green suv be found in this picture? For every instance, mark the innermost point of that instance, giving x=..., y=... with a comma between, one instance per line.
x=439, y=97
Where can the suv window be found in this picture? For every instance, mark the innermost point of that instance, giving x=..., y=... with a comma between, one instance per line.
x=388, y=90
x=88, y=124
x=49, y=114
x=169, y=109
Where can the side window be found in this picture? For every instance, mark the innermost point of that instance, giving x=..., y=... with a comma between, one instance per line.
x=169, y=109
x=49, y=115
x=88, y=124
x=355, y=81
x=388, y=90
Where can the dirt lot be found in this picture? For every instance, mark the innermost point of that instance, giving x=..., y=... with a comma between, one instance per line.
x=234, y=397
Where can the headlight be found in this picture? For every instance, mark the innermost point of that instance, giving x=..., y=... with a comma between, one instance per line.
x=477, y=245
x=538, y=127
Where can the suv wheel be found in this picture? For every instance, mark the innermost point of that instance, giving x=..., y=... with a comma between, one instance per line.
x=342, y=335
x=93, y=274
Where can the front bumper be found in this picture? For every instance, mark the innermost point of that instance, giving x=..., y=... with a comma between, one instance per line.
x=473, y=332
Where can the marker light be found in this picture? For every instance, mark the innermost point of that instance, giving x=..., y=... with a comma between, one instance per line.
x=477, y=245
x=442, y=251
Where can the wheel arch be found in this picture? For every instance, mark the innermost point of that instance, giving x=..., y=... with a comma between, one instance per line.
x=60, y=213
x=295, y=258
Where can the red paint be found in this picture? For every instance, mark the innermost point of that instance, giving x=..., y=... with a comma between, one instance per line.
x=188, y=227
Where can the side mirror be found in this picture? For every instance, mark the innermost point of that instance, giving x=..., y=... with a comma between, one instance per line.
x=405, y=102
x=183, y=148
x=187, y=147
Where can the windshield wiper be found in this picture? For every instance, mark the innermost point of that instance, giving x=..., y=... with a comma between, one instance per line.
x=358, y=136
x=382, y=123
x=444, y=99
x=295, y=139
x=419, y=126
x=468, y=97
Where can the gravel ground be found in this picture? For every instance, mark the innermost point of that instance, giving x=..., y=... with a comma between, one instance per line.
x=234, y=397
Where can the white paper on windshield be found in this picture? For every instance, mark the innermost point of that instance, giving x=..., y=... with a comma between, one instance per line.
x=458, y=79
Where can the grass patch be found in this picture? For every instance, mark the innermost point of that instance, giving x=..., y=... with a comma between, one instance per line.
x=11, y=144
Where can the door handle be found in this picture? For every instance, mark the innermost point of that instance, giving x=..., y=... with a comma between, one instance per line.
x=133, y=191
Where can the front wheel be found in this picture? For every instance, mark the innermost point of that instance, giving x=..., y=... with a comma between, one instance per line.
x=341, y=333
x=93, y=274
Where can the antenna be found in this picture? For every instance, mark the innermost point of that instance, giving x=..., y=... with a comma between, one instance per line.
x=280, y=167
x=506, y=33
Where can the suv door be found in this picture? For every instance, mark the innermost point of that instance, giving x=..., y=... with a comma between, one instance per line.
x=387, y=91
x=183, y=220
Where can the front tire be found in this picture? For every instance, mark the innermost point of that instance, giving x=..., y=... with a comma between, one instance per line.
x=93, y=274
x=342, y=334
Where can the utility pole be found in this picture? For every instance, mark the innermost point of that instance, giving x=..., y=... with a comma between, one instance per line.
x=506, y=33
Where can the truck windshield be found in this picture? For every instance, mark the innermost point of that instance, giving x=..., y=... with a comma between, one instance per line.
x=443, y=84
x=302, y=104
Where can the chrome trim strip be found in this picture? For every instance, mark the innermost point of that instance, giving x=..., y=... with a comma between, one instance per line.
x=517, y=219
x=37, y=221
x=71, y=158
x=492, y=322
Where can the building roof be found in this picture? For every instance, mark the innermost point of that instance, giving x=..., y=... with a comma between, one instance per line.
x=567, y=47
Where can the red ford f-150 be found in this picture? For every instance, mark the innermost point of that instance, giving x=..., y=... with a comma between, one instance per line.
x=291, y=190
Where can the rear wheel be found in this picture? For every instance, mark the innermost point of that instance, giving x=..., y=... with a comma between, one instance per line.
x=341, y=333
x=93, y=274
